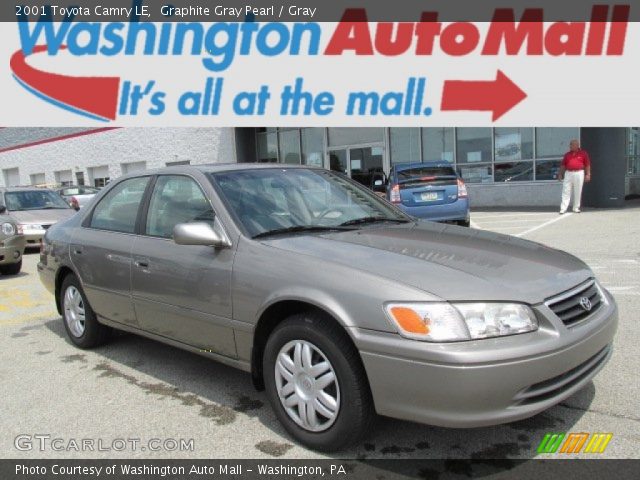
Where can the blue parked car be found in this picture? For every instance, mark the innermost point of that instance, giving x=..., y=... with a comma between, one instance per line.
x=430, y=190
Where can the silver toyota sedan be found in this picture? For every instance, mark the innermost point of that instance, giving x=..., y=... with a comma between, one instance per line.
x=338, y=304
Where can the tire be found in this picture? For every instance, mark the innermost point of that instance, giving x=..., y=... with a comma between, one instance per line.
x=86, y=333
x=353, y=409
x=464, y=223
x=12, y=269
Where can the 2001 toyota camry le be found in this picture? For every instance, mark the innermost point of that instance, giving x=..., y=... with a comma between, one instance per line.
x=338, y=304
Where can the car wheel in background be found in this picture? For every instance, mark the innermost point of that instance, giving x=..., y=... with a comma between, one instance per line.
x=316, y=383
x=80, y=321
x=464, y=223
x=12, y=269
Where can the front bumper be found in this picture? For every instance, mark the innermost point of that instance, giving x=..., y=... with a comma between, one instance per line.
x=34, y=237
x=11, y=249
x=486, y=382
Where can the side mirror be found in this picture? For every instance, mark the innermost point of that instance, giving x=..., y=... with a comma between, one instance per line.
x=3, y=209
x=199, y=233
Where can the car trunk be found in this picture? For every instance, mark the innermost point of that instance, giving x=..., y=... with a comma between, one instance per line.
x=420, y=192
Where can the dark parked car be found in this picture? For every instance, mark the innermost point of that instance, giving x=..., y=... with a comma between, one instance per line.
x=335, y=301
x=430, y=190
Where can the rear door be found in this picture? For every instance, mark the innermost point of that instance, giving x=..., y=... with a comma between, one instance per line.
x=182, y=291
x=424, y=186
x=101, y=250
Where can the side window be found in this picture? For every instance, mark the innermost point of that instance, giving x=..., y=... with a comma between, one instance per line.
x=176, y=199
x=118, y=210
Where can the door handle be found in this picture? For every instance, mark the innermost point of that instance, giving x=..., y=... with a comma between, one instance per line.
x=141, y=263
x=77, y=249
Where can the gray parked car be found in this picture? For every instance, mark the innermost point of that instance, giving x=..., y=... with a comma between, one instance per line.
x=11, y=246
x=34, y=209
x=336, y=302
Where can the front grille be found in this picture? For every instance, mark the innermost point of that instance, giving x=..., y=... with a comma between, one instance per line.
x=552, y=387
x=571, y=307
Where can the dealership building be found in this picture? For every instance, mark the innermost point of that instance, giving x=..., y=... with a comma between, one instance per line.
x=503, y=167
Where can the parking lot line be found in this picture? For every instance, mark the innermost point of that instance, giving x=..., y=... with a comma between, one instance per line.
x=521, y=220
x=545, y=224
x=502, y=215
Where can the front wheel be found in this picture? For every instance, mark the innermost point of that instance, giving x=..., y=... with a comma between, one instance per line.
x=80, y=320
x=316, y=384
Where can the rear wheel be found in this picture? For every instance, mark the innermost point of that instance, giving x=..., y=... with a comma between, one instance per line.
x=12, y=269
x=80, y=320
x=316, y=384
x=464, y=223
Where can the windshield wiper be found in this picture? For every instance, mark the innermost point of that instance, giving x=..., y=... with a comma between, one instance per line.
x=360, y=221
x=300, y=228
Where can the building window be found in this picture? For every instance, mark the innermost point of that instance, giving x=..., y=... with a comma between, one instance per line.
x=133, y=167
x=477, y=173
x=405, y=145
x=289, y=146
x=633, y=150
x=474, y=145
x=338, y=137
x=11, y=177
x=100, y=182
x=312, y=140
x=80, y=178
x=38, y=179
x=554, y=142
x=178, y=163
x=513, y=144
x=547, y=169
x=63, y=178
x=437, y=144
x=99, y=176
x=267, y=147
x=513, y=172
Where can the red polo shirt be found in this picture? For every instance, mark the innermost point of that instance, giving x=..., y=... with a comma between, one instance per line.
x=578, y=160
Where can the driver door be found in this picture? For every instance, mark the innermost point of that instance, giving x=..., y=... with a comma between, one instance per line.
x=182, y=292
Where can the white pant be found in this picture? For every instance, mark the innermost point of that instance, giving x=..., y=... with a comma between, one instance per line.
x=573, y=180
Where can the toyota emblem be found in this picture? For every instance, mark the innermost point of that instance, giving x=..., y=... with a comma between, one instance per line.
x=585, y=303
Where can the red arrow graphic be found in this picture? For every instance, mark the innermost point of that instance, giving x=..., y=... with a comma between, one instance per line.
x=497, y=96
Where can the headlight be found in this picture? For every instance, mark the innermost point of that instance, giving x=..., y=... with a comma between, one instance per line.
x=8, y=229
x=451, y=322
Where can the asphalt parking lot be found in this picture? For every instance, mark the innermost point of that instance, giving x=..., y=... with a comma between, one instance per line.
x=134, y=388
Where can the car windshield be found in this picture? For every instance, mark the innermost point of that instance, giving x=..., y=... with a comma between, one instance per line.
x=280, y=200
x=33, y=200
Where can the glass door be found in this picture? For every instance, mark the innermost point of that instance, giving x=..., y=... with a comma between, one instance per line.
x=364, y=164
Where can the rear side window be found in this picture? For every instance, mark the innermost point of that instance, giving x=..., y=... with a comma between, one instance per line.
x=176, y=199
x=118, y=210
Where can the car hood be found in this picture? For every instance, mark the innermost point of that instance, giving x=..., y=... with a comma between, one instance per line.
x=46, y=217
x=454, y=263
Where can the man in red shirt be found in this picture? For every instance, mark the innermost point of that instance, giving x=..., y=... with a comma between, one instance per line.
x=575, y=169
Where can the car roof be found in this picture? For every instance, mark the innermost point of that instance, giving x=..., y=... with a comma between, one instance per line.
x=24, y=189
x=218, y=167
x=407, y=166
